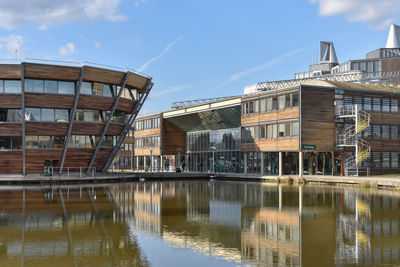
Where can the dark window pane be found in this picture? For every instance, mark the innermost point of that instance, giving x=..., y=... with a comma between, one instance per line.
x=295, y=100
x=35, y=86
x=59, y=141
x=5, y=142
x=50, y=87
x=67, y=88
x=274, y=103
x=98, y=89
x=16, y=142
x=12, y=87
x=14, y=115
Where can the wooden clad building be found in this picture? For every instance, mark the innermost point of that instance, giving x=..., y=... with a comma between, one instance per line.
x=59, y=118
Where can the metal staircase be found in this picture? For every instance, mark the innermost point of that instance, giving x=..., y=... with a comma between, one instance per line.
x=351, y=138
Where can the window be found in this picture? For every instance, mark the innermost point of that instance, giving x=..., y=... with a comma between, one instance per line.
x=281, y=102
x=274, y=131
x=256, y=106
x=269, y=104
x=367, y=132
x=31, y=141
x=67, y=88
x=262, y=132
x=358, y=101
x=269, y=131
x=376, y=131
x=262, y=105
x=295, y=100
x=395, y=159
x=394, y=105
x=45, y=142
x=256, y=132
x=385, y=104
x=281, y=130
x=367, y=103
x=348, y=100
x=50, y=87
x=394, y=133
x=251, y=107
x=246, y=108
x=35, y=86
x=86, y=88
x=12, y=87
x=385, y=132
x=61, y=115
x=274, y=103
x=385, y=159
x=376, y=102
x=287, y=129
x=377, y=159
x=98, y=89
x=10, y=115
x=251, y=134
x=295, y=129
x=88, y=115
x=32, y=114
x=59, y=141
x=47, y=114
x=287, y=101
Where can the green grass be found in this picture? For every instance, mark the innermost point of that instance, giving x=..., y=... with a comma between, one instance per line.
x=387, y=176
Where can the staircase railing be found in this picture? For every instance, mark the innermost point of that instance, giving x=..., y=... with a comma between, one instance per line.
x=351, y=138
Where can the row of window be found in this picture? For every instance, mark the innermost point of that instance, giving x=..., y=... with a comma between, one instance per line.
x=369, y=103
x=146, y=124
x=10, y=142
x=76, y=141
x=270, y=131
x=10, y=86
x=147, y=141
x=46, y=114
x=383, y=160
x=270, y=104
x=68, y=88
x=94, y=115
x=10, y=115
x=127, y=147
x=381, y=132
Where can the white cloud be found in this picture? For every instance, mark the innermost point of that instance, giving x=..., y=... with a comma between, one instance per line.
x=138, y=3
x=46, y=13
x=165, y=51
x=97, y=45
x=155, y=94
x=376, y=13
x=67, y=49
x=13, y=45
x=268, y=64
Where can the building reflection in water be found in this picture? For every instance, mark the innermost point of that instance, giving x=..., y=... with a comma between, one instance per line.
x=252, y=224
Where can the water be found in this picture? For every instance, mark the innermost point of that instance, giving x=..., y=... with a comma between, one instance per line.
x=198, y=223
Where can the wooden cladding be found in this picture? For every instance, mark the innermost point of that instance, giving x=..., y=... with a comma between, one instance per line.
x=80, y=158
x=87, y=128
x=10, y=129
x=318, y=118
x=172, y=139
x=136, y=81
x=35, y=159
x=51, y=72
x=142, y=133
x=48, y=101
x=102, y=75
x=46, y=128
x=11, y=162
x=292, y=113
x=146, y=151
x=95, y=102
x=273, y=145
x=10, y=101
x=125, y=105
x=10, y=71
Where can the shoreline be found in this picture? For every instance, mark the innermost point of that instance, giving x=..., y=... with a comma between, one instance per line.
x=367, y=182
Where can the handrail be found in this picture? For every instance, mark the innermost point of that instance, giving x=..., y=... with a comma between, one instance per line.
x=52, y=171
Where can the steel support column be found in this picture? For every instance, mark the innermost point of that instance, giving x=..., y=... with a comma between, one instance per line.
x=128, y=125
x=71, y=117
x=23, y=117
x=103, y=133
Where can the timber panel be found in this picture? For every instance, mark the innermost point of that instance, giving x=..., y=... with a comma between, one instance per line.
x=384, y=118
x=292, y=113
x=10, y=129
x=11, y=162
x=53, y=72
x=10, y=71
x=136, y=81
x=87, y=128
x=10, y=101
x=146, y=151
x=149, y=132
x=272, y=145
x=48, y=101
x=384, y=145
x=35, y=159
x=114, y=129
x=102, y=75
x=101, y=158
x=125, y=105
x=172, y=139
x=318, y=118
x=46, y=128
x=95, y=102
x=76, y=158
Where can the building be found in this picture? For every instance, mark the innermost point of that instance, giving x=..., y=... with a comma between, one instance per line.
x=63, y=118
x=332, y=120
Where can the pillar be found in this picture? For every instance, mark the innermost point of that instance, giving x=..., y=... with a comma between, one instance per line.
x=137, y=162
x=245, y=162
x=262, y=163
x=280, y=164
x=300, y=199
x=280, y=197
x=301, y=164
x=144, y=163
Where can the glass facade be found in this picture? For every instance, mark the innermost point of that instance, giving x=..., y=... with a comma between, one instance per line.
x=216, y=150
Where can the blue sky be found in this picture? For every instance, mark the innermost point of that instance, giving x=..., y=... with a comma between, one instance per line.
x=195, y=49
